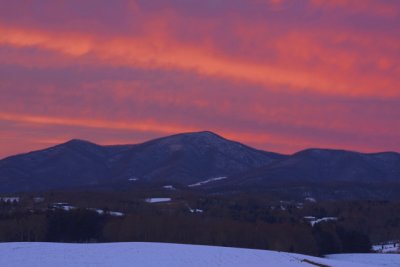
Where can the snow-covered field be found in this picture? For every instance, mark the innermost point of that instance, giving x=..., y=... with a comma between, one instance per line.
x=170, y=255
x=375, y=259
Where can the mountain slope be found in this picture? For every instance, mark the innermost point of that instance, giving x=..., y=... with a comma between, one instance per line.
x=323, y=172
x=182, y=159
x=189, y=158
x=320, y=165
x=64, y=165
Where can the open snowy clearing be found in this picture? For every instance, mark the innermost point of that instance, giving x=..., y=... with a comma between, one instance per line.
x=387, y=260
x=387, y=247
x=167, y=255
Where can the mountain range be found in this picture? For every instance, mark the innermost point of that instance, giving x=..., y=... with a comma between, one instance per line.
x=207, y=162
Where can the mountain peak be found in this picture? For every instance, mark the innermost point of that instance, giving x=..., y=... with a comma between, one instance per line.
x=197, y=137
x=204, y=134
x=78, y=143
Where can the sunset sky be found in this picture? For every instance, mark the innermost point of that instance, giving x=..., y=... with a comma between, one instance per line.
x=279, y=75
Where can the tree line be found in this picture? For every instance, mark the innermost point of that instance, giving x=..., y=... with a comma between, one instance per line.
x=240, y=228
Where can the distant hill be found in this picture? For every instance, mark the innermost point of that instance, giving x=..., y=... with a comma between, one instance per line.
x=206, y=162
x=324, y=173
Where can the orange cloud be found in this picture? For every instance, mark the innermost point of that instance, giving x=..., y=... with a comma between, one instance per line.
x=145, y=126
x=148, y=126
x=160, y=51
x=272, y=142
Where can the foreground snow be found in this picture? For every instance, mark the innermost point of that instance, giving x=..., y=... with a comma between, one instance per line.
x=167, y=255
x=375, y=259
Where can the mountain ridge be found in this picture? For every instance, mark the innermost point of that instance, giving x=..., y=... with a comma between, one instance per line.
x=83, y=141
x=182, y=158
x=189, y=158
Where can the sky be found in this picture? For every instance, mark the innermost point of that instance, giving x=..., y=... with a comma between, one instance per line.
x=279, y=75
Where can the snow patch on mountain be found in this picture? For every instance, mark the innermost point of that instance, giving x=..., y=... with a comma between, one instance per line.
x=157, y=199
x=208, y=181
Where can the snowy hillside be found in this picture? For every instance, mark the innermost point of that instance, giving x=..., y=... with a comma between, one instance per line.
x=376, y=259
x=168, y=255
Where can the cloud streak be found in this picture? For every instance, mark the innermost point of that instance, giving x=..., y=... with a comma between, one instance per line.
x=293, y=71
